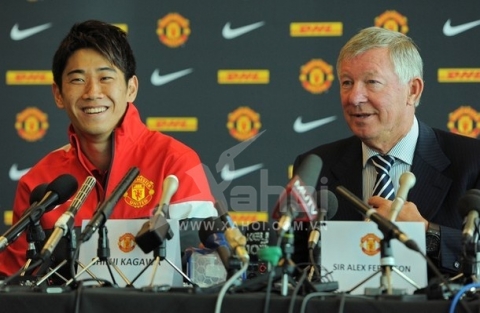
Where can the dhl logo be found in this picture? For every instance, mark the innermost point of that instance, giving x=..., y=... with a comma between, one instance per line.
x=243, y=76
x=29, y=78
x=459, y=75
x=316, y=29
x=122, y=26
x=245, y=218
x=8, y=217
x=173, y=124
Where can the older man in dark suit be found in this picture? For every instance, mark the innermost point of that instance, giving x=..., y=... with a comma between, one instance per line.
x=381, y=82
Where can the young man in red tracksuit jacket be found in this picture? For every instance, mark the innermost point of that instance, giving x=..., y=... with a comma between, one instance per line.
x=95, y=83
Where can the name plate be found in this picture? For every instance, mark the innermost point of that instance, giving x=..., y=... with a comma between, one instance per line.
x=129, y=259
x=351, y=253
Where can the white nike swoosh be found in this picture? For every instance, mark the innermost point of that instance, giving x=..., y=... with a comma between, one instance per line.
x=15, y=174
x=159, y=80
x=231, y=33
x=449, y=30
x=228, y=174
x=301, y=127
x=20, y=34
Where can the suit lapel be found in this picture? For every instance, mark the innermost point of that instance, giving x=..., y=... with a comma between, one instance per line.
x=429, y=162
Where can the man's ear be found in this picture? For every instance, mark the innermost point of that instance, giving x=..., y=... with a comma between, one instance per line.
x=132, y=88
x=415, y=90
x=57, y=96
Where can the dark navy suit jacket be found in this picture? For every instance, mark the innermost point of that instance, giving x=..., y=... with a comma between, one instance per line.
x=445, y=166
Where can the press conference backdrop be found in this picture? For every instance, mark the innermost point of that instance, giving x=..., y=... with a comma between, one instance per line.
x=247, y=84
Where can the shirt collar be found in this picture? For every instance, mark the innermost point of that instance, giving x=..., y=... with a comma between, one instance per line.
x=403, y=150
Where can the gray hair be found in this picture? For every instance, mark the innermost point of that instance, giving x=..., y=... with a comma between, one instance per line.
x=404, y=53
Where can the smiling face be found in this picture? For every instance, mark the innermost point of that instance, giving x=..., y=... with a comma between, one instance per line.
x=377, y=106
x=94, y=94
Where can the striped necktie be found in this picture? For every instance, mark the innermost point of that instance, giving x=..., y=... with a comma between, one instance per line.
x=383, y=184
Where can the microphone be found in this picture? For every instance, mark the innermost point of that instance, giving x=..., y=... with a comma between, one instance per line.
x=407, y=181
x=236, y=240
x=38, y=193
x=469, y=207
x=104, y=211
x=66, y=220
x=296, y=198
x=389, y=229
x=154, y=231
x=211, y=234
x=328, y=209
x=57, y=192
x=169, y=188
x=35, y=196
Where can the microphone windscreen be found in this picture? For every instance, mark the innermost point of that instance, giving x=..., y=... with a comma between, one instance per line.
x=38, y=193
x=309, y=170
x=64, y=186
x=470, y=201
x=209, y=226
x=259, y=235
x=329, y=202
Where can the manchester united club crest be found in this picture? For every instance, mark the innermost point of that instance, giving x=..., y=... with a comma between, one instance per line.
x=140, y=193
x=370, y=244
x=126, y=242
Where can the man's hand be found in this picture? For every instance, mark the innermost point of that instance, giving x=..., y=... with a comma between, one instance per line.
x=408, y=213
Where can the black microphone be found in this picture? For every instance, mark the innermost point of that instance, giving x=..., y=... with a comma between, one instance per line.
x=104, y=211
x=211, y=234
x=328, y=208
x=156, y=230
x=38, y=193
x=469, y=207
x=66, y=220
x=57, y=192
x=298, y=198
x=35, y=196
x=389, y=229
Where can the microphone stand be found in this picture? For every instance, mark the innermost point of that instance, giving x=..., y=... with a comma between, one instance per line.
x=387, y=265
x=35, y=234
x=72, y=246
x=103, y=255
x=160, y=254
x=286, y=263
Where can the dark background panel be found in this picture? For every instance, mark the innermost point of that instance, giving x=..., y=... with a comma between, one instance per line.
x=198, y=94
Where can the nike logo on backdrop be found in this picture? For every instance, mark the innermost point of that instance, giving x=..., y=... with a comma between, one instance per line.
x=20, y=34
x=230, y=33
x=15, y=174
x=159, y=80
x=228, y=174
x=449, y=30
x=301, y=127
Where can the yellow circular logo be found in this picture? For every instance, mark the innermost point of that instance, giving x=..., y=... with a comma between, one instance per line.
x=31, y=124
x=392, y=20
x=140, y=192
x=126, y=242
x=464, y=121
x=173, y=30
x=243, y=123
x=316, y=76
x=370, y=244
